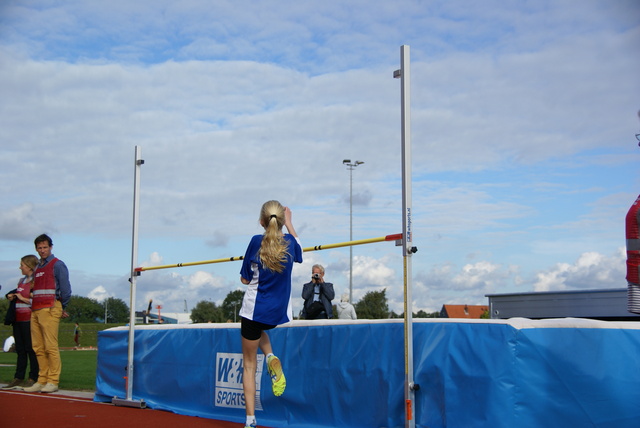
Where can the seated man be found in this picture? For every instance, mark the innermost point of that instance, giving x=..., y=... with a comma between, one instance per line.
x=317, y=296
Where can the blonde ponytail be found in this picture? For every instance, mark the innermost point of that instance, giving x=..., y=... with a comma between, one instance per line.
x=273, y=250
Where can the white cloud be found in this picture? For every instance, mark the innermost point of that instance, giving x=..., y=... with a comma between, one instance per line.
x=173, y=290
x=477, y=275
x=590, y=270
x=202, y=279
x=155, y=259
x=372, y=272
x=99, y=293
x=448, y=284
x=21, y=223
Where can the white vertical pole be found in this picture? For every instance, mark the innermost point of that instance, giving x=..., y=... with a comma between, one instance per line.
x=132, y=294
x=407, y=239
x=134, y=264
x=351, y=233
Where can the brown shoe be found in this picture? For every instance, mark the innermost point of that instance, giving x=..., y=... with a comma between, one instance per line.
x=28, y=383
x=14, y=384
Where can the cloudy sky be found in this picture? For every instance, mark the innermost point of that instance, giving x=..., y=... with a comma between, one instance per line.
x=523, y=150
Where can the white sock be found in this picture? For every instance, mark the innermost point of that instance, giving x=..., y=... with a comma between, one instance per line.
x=251, y=420
x=270, y=354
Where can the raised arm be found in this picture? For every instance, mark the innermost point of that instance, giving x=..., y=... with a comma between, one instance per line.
x=287, y=222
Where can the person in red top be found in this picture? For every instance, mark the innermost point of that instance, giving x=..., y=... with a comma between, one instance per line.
x=51, y=295
x=22, y=326
x=633, y=254
x=633, y=257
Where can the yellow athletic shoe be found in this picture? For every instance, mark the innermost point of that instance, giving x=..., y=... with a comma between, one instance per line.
x=278, y=381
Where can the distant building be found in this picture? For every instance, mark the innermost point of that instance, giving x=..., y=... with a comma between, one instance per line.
x=171, y=318
x=463, y=311
x=167, y=318
x=608, y=304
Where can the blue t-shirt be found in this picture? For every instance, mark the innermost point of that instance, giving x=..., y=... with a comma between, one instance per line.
x=268, y=295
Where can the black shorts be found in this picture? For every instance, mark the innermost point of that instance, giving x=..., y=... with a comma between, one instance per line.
x=252, y=330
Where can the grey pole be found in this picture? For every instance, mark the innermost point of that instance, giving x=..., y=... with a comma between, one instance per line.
x=129, y=401
x=351, y=167
x=407, y=248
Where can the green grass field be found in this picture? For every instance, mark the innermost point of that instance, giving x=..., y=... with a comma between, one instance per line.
x=78, y=367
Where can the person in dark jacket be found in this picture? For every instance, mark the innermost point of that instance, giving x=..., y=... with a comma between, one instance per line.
x=21, y=298
x=317, y=296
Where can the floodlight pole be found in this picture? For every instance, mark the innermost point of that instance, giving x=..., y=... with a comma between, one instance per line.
x=407, y=239
x=351, y=166
x=129, y=401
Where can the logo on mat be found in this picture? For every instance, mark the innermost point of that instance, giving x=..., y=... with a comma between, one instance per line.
x=228, y=388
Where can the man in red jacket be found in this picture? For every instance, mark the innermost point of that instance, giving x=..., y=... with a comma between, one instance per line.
x=51, y=295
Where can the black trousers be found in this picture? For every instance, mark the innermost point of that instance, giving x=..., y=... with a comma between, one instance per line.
x=22, y=336
x=321, y=316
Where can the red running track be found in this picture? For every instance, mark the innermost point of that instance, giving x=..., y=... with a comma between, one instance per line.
x=22, y=409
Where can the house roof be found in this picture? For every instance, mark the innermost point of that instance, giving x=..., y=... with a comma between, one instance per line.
x=463, y=311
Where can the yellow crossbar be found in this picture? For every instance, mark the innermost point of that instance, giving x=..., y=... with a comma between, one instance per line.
x=395, y=237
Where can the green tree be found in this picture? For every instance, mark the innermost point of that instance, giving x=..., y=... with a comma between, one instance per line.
x=373, y=305
x=83, y=309
x=116, y=309
x=423, y=314
x=206, y=311
x=231, y=305
x=4, y=305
